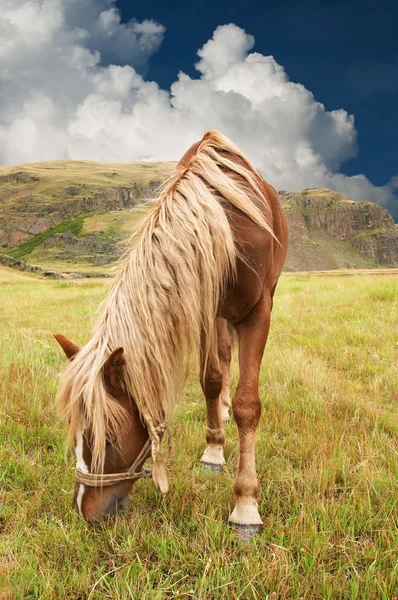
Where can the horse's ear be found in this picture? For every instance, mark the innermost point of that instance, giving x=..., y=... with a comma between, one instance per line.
x=116, y=359
x=67, y=346
x=113, y=368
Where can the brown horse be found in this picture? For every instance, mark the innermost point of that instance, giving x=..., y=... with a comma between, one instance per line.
x=209, y=252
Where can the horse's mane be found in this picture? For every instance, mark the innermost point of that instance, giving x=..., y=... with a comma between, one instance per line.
x=163, y=303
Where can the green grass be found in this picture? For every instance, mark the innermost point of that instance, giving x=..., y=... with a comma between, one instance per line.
x=322, y=251
x=363, y=235
x=73, y=227
x=116, y=223
x=326, y=457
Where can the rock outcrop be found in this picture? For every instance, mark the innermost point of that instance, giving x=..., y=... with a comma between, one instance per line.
x=20, y=265
x=329, y=228
x=80, y=212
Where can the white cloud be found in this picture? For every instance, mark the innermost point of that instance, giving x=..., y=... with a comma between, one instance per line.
x=61, y=97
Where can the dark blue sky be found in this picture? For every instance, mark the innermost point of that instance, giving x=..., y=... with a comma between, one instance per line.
x=345, y=52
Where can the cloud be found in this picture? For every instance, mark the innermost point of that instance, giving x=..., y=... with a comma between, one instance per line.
x=73, y=87
x=53, y=55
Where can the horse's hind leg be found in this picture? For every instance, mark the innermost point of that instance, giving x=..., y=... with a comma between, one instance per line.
x=224, y=356
x=246, y=406
x=211, y=379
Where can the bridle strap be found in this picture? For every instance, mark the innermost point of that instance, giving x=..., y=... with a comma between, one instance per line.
x=107, y=479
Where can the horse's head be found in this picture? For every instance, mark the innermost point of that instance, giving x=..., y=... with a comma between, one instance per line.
x=101, y=496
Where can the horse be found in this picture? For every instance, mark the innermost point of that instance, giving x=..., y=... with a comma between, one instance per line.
x=207, y=256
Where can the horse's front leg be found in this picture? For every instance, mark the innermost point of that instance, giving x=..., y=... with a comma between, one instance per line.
x=246, y=406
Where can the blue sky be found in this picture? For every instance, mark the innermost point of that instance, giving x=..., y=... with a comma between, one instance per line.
x=345, y=52
x=308, y=90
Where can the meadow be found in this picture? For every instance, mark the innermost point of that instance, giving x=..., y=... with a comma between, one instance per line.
x=327, y=458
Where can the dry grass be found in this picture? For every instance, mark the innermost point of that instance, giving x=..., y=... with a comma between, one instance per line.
x=327, y=460
x=52, y=178
x=116, y=223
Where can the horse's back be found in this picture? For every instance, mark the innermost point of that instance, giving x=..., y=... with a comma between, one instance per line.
x=260, y=256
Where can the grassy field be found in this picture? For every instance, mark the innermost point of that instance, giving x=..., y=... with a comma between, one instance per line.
x=327, y=456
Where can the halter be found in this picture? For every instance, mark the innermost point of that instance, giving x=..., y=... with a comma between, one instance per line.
x=107, y=479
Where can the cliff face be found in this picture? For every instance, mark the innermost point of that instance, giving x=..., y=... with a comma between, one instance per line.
x=29, y=216
x=69, y=213
x=328, y=228
x=37, y=196
x=340, y=216
x=380, y=246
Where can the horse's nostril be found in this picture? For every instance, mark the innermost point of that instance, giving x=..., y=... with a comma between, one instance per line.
x=119, y=504
x=115, y=504
x=112, y=508
x=122, y=503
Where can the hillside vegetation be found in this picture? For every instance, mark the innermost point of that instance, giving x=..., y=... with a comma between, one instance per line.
x=329, y=230
x=78, y=215
x=326, y=458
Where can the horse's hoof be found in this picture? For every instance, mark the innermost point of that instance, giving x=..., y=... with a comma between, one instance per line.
x=212, y=467
x=246, y=532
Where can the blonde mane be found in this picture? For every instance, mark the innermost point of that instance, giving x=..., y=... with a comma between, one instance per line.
x=163, y=303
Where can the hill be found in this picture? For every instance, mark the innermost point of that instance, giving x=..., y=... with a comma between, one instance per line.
x=77, y=215
x=329, y=230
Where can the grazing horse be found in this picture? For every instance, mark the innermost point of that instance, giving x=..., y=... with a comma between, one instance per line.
x=209, y=252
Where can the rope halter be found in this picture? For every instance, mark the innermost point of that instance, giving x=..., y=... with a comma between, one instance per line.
x=150, y=448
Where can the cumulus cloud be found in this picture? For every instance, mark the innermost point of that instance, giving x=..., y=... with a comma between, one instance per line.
x=73, y=86
x=53, y=55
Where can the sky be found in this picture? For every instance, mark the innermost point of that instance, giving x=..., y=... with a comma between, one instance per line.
x=307, y=89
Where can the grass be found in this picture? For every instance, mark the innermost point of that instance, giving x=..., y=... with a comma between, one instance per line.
x=326, y=456
x=73, y=227
x=322, y=251
x=113, y=225
x=116, y=223
x=52, y=180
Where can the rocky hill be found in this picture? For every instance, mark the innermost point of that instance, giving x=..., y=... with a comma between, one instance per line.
x=328, y=230
x=77, y=215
